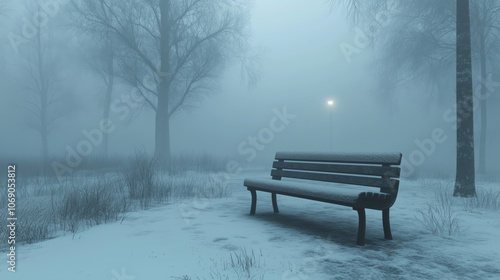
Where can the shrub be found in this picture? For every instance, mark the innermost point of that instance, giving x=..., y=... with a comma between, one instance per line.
x=485, y=200
x=142, y=182
x=35, y=224
x=30, y=231
x=93, y=204
x=239, y=266
x=438, y=216
x=243, y=261
x=440, y=219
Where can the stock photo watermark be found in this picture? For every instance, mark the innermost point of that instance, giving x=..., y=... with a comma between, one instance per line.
x=11, y=216
x=121, y=108
x=198, y=203
x=122, y=275
x=363, y=37
x=31, y=25
x=265, y=136
x=249, y=148
x=428, y=146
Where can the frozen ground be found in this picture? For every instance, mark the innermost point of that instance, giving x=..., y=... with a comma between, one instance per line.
x=307, y=240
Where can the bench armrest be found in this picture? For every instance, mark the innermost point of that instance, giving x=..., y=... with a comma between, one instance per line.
x=375, y=200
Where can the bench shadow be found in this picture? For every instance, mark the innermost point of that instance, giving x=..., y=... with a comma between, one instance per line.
x=341, y=231
x=337, y=225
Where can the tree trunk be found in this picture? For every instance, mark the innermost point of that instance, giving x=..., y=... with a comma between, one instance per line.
x=109, y=92
x=45, y=150
x=465, y=173
x=482, y=137
x=162, y=125
x=44, y=103
x=44, y=128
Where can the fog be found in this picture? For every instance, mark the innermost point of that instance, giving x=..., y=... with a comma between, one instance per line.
x=302, y=66
x=136, y=135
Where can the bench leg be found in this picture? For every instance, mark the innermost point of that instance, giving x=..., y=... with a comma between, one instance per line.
x=361, y=227
x=275, y=204
x=254, y=202
x=387, y=225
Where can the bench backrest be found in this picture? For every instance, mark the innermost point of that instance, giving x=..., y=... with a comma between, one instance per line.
x=379, y=170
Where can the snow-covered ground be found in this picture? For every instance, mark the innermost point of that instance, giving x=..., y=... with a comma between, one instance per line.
x=308, y=240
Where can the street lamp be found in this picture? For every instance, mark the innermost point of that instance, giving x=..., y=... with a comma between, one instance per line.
x=330, y=104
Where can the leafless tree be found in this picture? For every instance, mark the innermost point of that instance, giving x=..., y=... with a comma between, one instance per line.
x=39, y=79
x=181, y=45
x=485, y=22
x=419, y=45
x=101, y=54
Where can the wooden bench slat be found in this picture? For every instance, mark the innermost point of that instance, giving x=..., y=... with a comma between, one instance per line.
x=363, y=158
x=319, y=192
x=315, y=198
x=389, y=171
x=368, y=170
x=343, y=179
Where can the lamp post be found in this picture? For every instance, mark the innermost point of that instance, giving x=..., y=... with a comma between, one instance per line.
x=330, y=104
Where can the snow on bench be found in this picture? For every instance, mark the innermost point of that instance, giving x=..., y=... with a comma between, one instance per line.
x=350, y=179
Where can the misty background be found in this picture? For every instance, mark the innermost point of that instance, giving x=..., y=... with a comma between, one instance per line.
x=301, y=66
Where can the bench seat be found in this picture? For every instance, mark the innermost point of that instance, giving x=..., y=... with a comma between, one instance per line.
x=337, y=194
x=358, y=180
x=330, y=193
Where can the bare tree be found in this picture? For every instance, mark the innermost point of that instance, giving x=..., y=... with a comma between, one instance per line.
x=485, y=21
x=417, y=48
x=420, y=46
x=39, y=79
x=108, y=74
x=181, y=45
x=101, y=56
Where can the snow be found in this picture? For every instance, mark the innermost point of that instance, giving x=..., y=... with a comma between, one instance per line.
x=347, y=195
x=307, y=240
x=382, y=158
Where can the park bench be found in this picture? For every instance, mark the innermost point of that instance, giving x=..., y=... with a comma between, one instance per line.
x=351, y=179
